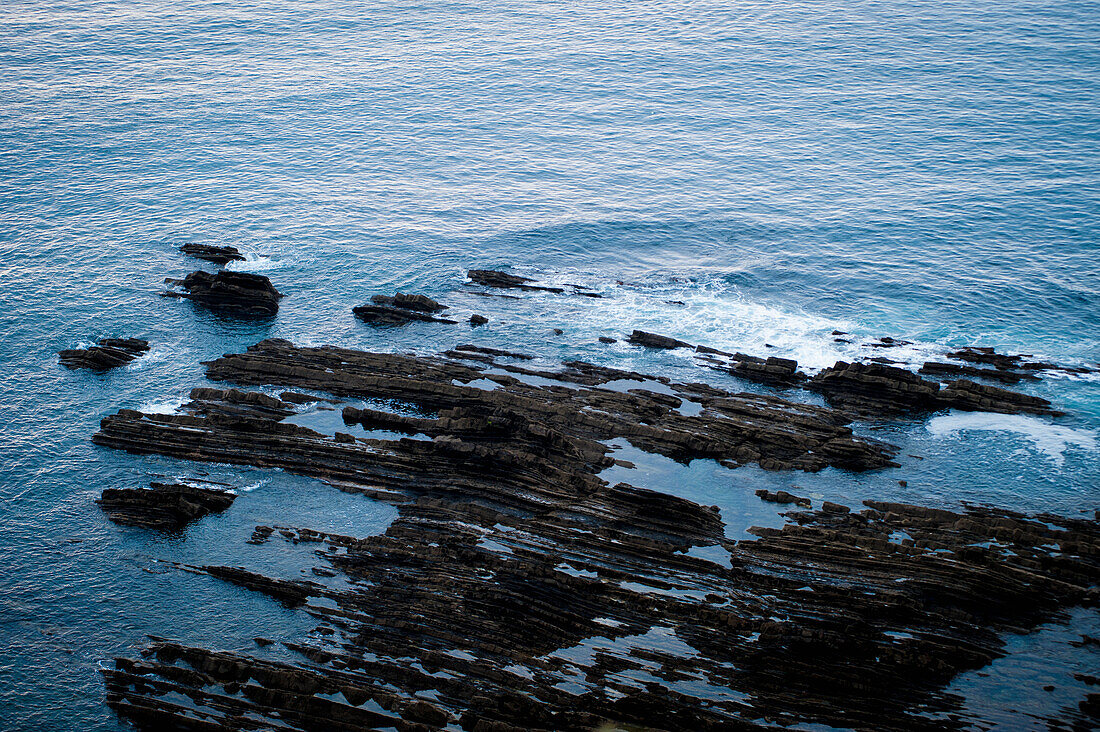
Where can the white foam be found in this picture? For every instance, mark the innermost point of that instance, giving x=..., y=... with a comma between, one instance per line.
x=162, y=407
x=257, y=263
x=1050, y=439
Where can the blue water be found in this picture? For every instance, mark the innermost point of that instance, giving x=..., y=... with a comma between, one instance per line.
x=926, y=170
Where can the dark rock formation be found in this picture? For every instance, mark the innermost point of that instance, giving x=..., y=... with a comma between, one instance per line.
x=607, y=339
x=421, y=303
x=163, y=506
x=518, y=590
x=393, y=315
x=653, y=340
x=476, y=319
x=503, y=280
x=935, y=368
x=782, y=497
x=239, y=293
x=886, y=390
x=772, y=370
x=108, y=354
x=876, y=389
x=211, y=253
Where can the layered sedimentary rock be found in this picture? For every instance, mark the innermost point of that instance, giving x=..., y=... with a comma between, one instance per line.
x=518, y=590
x=400, y=309
x=239, y=293
x=655, y=340
x=109, y=353
x=162, y=505
x=211, y=253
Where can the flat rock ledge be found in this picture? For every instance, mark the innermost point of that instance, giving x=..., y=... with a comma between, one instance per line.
x=109, y=353
x=236, y=293
x=162, y=505
x=518, y=590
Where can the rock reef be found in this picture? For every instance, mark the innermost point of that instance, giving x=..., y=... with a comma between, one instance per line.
x=519, y=590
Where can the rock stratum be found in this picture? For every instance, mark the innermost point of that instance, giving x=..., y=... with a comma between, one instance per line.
x=519, y=590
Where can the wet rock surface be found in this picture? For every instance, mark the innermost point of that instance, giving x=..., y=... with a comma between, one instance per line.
x=517, y=589
x=162, y=505
x=212, y=253
x=236, y=293
x=107, y=354
x=654, y=340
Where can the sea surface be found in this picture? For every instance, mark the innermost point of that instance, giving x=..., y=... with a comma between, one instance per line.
x=748, y=175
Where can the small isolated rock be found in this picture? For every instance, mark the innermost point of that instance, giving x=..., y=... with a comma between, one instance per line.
x=653, y=340
x=557, y=331
x=210, y=253
x=606, y=339
x=110, y=353
x=476, y=319
x=163, y=506
x=783, y=497
x=263, y=642
x=240, y=293
x=421, y=303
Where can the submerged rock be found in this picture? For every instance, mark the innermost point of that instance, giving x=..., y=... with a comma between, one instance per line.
x=503, y=280
x=211, y=253
x=163, y=505
x=108, y=354
x=240, y=293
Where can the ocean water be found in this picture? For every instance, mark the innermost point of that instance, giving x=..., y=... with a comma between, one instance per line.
x=923, y=170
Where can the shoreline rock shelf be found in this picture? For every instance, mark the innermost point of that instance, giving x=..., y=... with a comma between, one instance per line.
x=516, y=589
x=163, y=505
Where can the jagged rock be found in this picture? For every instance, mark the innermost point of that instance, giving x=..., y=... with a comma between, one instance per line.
x=653, y=340
x=109, y=354
x=211, y=253
x=476, y=319
x=240, y=293
x=988, y=356
x=421, y=303
x=493, y=352
x=503, y=280
x=163, y=506
x=606, y=339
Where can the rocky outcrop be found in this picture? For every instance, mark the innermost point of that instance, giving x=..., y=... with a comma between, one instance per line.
x=401, y=309
x=877, y=389
x=109, y=353
x=163, y=505
x=516, y=589
x=421, y=303
x=772, y=370
x=211, y=253
x=654, y=340
x=935, y=368
x=236, y=293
